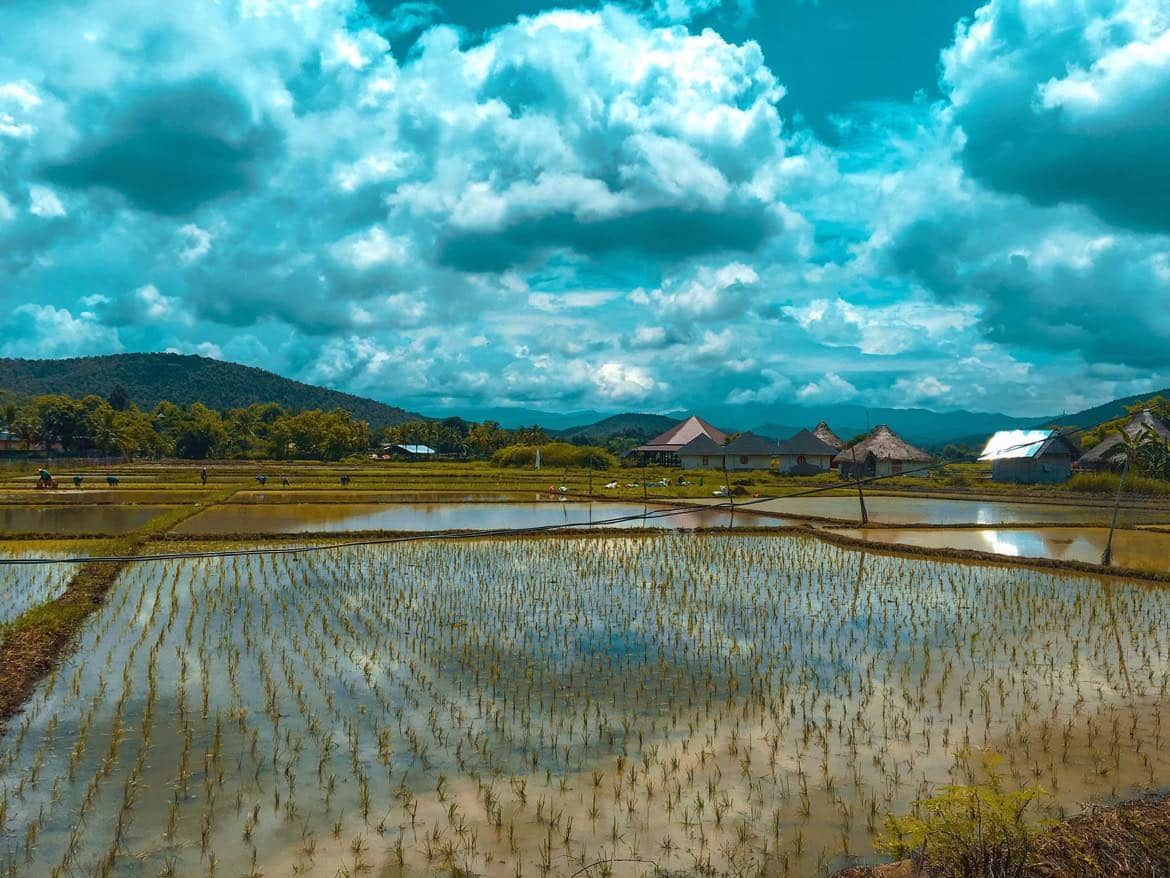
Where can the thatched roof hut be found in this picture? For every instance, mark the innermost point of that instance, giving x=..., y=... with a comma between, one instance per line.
x=882, y=453
x=1106, y=452
x=825, y=433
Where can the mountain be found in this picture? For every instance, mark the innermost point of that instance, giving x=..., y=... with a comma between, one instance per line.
x=1105, y=412
x=184, y=379
x=510, y=418
x=640, y=426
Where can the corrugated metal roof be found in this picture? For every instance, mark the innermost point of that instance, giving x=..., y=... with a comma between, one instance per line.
x=1016, y=444
x=416, y=449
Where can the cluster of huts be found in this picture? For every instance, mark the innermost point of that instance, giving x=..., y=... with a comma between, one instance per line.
x=1049, y=456
x=1021, y=456
x=695, y=444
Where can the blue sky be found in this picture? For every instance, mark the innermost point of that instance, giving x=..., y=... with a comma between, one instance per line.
x=651, y=205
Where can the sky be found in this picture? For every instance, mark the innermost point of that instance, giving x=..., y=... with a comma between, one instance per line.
x=647, y=205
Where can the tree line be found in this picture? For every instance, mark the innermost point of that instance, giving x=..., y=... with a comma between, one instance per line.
x=114, y=426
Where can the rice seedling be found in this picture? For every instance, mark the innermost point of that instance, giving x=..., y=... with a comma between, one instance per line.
x=718, y=703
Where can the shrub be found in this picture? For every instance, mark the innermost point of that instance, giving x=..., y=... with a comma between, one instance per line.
x=556, y=454
x=977, y=831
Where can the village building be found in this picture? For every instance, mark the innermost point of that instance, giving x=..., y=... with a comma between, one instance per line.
x=1107, y=455
x=749, y=451
x=823, y=432
x=408, y=452
x=1030, y=457
x=663, y=450
x=882, y=453
x=702, y=452
x=806, y=454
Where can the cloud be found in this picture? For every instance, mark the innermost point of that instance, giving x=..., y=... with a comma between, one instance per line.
x=45, y=331
x=1066, y=102
x=171, y=148
x=829, y=388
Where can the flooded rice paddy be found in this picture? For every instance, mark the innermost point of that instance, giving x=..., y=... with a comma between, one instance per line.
x=729, y=703
x=24, y=587
x=1133, y=549
x=67, y=520
x=309, y=517
x=942, y=510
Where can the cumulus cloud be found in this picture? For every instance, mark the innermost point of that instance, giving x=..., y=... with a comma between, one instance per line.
x=1066, y=102
x=586, y=207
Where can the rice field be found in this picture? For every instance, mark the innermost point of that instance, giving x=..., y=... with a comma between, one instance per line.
x=705, y=704
x=24, y=587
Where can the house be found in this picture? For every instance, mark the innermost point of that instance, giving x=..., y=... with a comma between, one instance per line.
x=702, y=452
x=882, y=453
x=9, y=441
x=1106, y=454
x=749, y=451
x=409, y=452
x=823, y=432
x=1030, y=457
x=663, y=450
x=806, y=454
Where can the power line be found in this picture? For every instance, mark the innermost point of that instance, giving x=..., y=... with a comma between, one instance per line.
x=666, y=512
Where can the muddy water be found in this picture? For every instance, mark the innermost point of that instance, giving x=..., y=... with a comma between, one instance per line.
x=310, y=517
x=720, y=704
x=75, y=519
x=1136, y=549
x=941, y=510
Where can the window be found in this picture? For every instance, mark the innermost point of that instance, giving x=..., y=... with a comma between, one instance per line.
x=743, y=458
x=896, y=466
x=800, y=459
x=706, y=460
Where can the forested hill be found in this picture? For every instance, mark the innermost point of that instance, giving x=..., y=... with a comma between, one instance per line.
x=151, y=378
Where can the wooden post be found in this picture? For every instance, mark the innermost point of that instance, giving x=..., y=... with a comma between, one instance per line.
x=730, y=496
x=860, y=496
x=1107, y=555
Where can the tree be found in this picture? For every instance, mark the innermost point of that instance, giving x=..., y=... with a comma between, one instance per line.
x=58, y=419
x=197, y=433
x=118, y=398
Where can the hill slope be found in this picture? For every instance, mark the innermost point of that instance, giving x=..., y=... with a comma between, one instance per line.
x=151, y=378
x=1106, y=411
x=635, y=425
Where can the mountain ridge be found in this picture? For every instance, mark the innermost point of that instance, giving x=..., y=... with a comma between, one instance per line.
x=149, y=378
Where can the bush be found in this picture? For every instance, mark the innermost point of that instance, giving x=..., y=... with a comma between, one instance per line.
x=978, y=831
x=556, y=454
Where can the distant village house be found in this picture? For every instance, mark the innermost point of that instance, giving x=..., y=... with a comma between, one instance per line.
x=664, y=450
x=806, y=454
x=882, y=453
x=1030, y=457
x=408, y=452
x=1109, y=452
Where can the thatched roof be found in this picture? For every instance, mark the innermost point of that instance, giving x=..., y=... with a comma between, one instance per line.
x=1143, y=420
x=807, y=443
x=884, y=444
x=823, y=432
